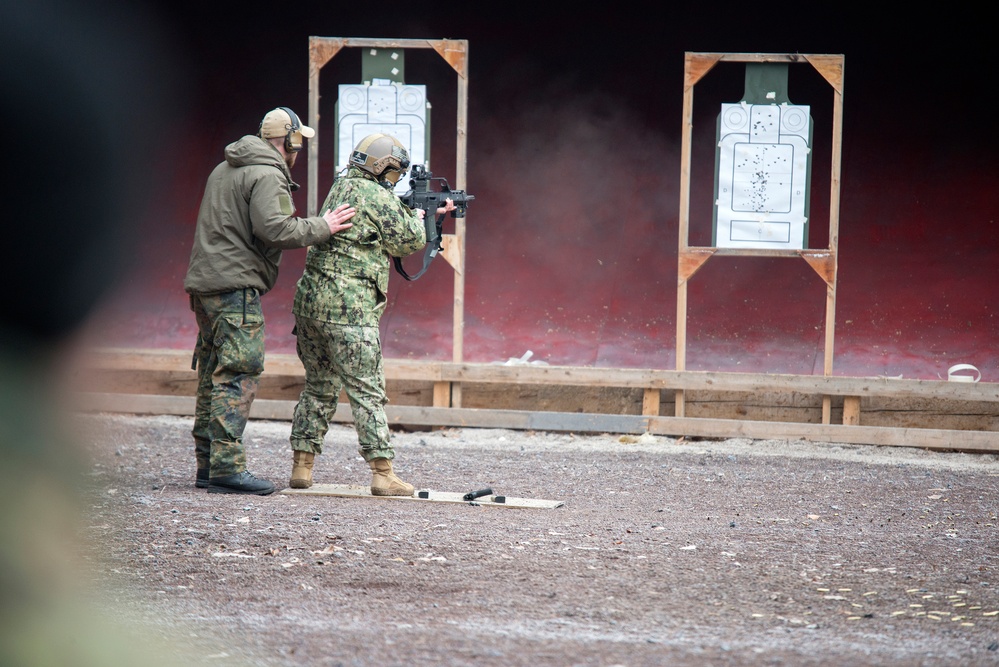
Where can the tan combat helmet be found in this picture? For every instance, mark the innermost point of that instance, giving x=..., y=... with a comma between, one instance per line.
x=381, y=155
x=283, y=122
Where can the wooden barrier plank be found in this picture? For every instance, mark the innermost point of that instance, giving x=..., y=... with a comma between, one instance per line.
x=439, y=371
x=584, y=423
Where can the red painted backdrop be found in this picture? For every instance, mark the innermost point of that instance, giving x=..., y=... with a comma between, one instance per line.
x=574, y=131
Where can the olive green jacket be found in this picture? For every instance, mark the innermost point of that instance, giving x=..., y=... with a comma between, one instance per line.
x=346, y=278
x=246, y=219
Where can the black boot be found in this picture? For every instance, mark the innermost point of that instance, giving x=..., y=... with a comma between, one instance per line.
x=243, y=482
x=201, y=481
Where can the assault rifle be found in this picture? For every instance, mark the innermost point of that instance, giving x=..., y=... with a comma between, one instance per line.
x=421, y=196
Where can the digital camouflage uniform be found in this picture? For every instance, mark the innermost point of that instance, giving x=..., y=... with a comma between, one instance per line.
x=246, y=219
x=338, y=304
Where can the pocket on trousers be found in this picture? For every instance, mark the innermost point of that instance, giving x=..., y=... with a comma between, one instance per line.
x=359, y=353
x=239, y=344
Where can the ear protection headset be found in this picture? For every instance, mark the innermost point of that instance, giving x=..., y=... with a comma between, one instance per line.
x=296, y=126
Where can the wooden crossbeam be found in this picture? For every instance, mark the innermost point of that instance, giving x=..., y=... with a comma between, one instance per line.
x=587, y=376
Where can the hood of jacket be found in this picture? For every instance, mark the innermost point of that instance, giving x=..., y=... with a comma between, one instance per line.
x=252, y=150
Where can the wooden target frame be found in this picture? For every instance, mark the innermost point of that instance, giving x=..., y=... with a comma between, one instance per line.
x=455, y=53
x=823, y=261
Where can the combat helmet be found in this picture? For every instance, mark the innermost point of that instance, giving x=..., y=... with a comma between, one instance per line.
x=383, y=156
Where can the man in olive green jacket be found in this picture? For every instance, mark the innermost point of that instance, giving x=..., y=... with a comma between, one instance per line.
x=247, y=217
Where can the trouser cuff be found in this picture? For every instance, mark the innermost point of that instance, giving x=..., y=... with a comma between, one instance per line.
x=381, y=453
x=306, y=446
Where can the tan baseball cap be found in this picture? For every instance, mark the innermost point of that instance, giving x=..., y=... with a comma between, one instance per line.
x=279, y=122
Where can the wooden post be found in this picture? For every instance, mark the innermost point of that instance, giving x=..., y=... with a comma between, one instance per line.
x=691, y=65
x=650, y=402
x=458, y=328
x=442, y=394
x=851, y=410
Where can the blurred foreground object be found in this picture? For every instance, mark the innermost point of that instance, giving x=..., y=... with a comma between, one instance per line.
x=72, y=109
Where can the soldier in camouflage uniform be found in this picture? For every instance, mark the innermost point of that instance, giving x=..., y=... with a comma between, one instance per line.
x=338, y=304
x=246, y=219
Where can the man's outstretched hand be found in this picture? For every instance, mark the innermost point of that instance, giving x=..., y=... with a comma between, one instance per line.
x=338, y=217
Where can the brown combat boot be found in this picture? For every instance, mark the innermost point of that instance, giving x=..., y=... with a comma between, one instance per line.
x=384, y=482
x=301, y=469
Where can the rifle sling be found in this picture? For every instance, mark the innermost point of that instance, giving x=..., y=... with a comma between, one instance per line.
x=428, y=254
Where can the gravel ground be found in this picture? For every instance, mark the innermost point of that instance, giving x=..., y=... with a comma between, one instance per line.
x=680, y=552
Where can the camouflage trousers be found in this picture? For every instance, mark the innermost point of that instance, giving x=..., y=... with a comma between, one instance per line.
x=229, y=358
x=339, y=356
